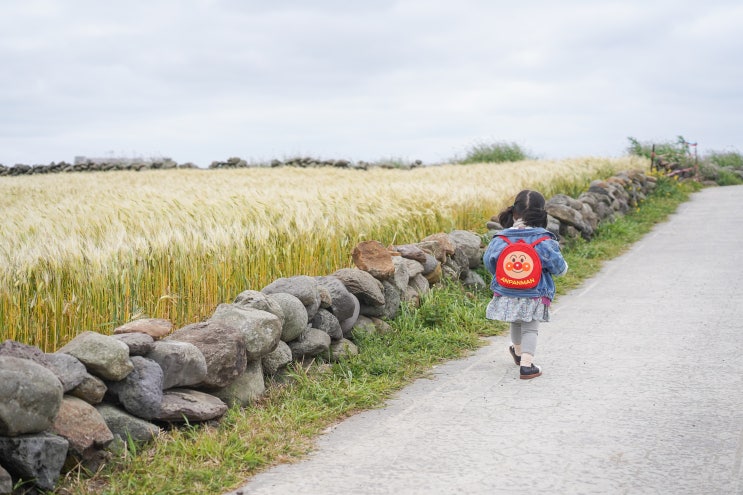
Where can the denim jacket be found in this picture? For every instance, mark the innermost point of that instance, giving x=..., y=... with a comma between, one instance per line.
x=549, y=253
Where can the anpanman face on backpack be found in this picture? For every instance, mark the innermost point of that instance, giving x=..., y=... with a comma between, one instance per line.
x=518, y=265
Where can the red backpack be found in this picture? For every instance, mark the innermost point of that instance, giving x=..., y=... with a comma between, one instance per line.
x=519, y=266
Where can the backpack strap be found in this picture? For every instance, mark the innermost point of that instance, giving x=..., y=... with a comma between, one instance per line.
x=544, y=238
x=533, y=244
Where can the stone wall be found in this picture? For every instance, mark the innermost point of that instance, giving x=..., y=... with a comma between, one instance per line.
x=81, y=404
x=91, y=165
x=309, y=162
x=83, y=164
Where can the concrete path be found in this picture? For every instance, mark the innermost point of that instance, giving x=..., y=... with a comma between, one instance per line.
x=642, y=391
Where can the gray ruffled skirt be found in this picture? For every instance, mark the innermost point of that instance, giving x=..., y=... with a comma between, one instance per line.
x=510, y=309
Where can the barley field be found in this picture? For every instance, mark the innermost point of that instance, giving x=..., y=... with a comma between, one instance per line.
x=91, y=251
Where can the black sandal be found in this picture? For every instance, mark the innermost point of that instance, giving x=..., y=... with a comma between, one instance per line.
x=516, y=359
x=529, y=372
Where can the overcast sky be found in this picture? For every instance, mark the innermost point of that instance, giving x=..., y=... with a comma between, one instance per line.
x=204, y=80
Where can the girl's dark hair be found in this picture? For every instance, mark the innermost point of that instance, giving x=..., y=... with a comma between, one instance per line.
x=529, y=206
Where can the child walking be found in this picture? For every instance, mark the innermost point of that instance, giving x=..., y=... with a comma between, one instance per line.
x=515, y=300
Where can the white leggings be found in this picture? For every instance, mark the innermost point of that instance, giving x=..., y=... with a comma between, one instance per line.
x=525, y=333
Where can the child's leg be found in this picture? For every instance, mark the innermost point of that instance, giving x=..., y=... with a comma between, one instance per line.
x=529, y=332
x=516, y=336
x=515, y=349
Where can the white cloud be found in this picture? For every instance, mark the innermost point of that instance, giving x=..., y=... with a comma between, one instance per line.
x=203, y=80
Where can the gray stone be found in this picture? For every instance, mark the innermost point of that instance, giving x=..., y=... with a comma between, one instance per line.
x=102, y=355
x=295, y=315
x=493, y=225
x=246, y=389
x=302, y=287
x=364, y=325
x=6, y=481
x=392, y=297
x=456, y=265
x=182, y=363
x=141, y=392
x=430, y=264
x=348, y=323
x=39, y=457
x=326, y=300
x=571, y=217
x=599, y=187
x=70, y=371
x=277, y=359
x=375, y=311
x=260, y=329
x=605, y=212
x=562, y=199
x=553, y=225
x=435, y=249
x=621, y=206
x=92, y=389
x=589, y=216
x=414, y=267
x=342, y=301
x=420, y=284
x=444, y=246
x=402, y=275
x=311, y=343
x=589, y=199
x=222, y=346
x=23, y=351
x=139, y=344
x=31, y=396
x=411, y=252
x=125, y=426
x=599, y=203
x=411, y=297
x=366, y=288
x=372, y=325
x=327, y=322
x=470, y=244
x=602, y=195
x=259, y=300
x=181, y=405
x=342, y=349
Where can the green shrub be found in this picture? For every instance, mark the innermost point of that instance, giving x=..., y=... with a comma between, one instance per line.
x=727, y=178
x=669, y=151
x=497, y=152
x=730, y=159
